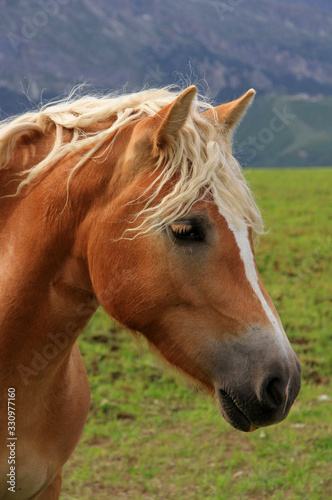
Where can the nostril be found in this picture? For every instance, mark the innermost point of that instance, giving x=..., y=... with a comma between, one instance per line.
x=273, y=393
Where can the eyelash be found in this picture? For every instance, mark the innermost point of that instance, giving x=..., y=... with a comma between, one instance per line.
x=188, y=231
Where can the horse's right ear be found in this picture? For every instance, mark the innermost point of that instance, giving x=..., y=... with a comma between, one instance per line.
x=163, y=126
x=231, y=113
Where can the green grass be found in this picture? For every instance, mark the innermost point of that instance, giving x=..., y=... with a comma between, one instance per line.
x=149, y=437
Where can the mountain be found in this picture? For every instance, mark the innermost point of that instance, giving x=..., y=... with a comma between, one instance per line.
x=286, y=131
x=224, y=46
x=280, y=46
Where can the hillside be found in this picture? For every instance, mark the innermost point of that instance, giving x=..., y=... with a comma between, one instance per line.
x=286, y=131
x=278, y=47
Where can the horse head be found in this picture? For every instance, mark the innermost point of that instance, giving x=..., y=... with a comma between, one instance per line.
x=171, y=255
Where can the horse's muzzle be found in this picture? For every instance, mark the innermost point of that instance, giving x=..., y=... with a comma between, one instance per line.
x=257, y=380
x=247, y=406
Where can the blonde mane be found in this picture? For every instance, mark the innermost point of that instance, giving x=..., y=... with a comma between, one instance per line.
x=200, y=156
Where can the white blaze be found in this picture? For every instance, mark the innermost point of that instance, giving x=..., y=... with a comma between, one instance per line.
x=242, y=239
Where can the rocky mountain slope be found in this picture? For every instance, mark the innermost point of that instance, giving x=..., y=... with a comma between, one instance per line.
x=224, y=46
x=275, y=46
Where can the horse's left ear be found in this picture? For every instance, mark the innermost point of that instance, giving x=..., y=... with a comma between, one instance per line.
x=231, y=113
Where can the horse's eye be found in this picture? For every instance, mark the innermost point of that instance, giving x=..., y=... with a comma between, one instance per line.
x=189, y=231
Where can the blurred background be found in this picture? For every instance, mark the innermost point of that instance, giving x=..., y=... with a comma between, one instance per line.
x=282, y=48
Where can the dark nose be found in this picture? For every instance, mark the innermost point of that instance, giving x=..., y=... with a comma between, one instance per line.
x=274, y=392
x=259, y=392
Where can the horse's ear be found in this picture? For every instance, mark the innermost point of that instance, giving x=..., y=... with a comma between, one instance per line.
x=163, y=125
x=231, y=113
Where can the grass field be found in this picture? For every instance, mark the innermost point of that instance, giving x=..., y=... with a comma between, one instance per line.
x=150, y=437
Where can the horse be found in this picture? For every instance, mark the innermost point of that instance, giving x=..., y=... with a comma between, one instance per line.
x=133, y=202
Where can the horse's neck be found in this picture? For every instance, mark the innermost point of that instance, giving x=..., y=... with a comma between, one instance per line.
x=46, y=300
x=46, y=295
